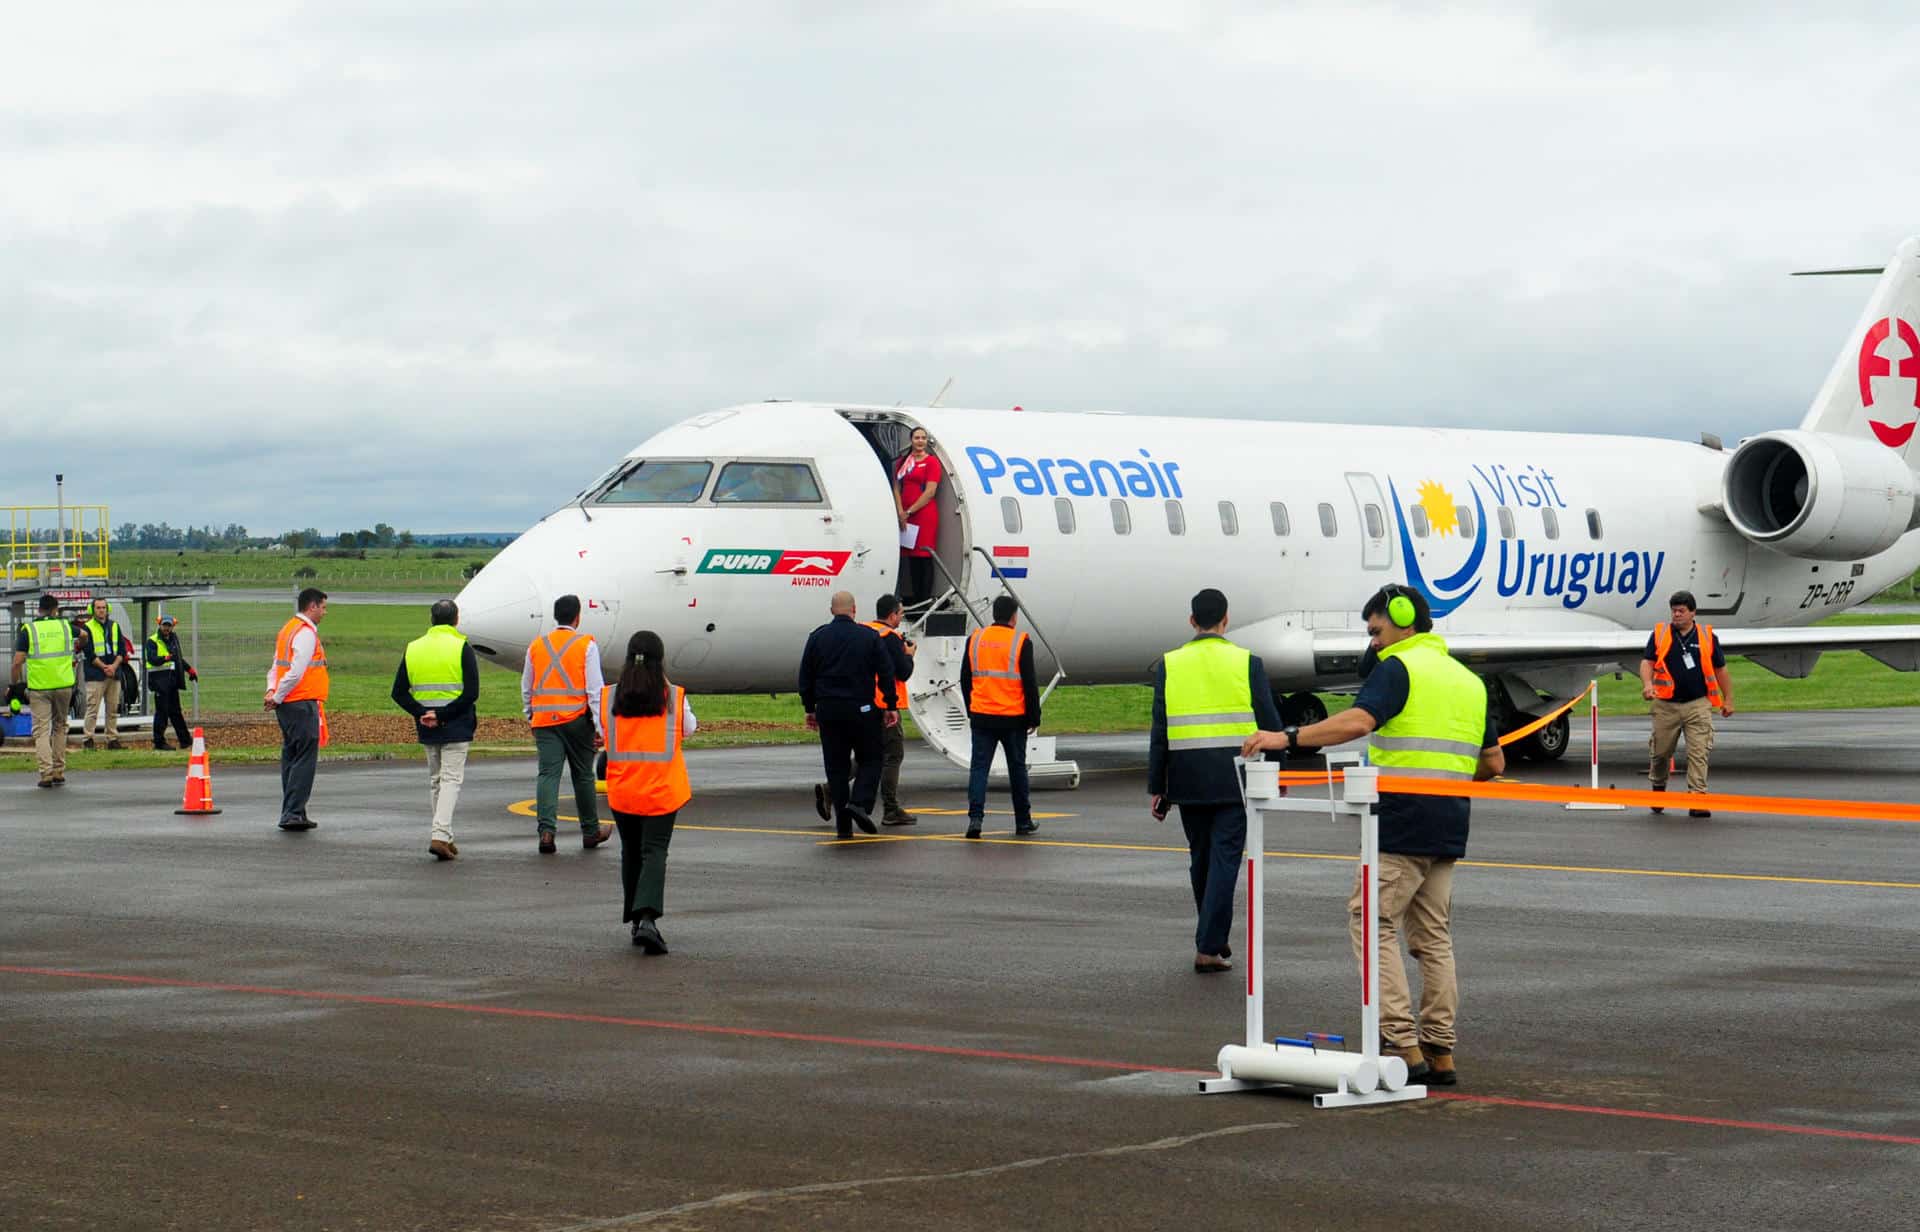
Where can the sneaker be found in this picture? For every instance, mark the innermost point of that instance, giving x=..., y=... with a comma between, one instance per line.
x=547, y=847
x=441, y=849
x=1658, y=787
x=899, y=817
x=590, y=841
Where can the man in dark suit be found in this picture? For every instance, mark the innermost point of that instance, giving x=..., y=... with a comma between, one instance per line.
x=843, y=672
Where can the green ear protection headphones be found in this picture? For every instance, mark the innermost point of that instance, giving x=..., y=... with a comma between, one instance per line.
x=1400, y=609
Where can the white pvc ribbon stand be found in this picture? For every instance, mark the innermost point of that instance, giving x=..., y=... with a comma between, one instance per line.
x=1593, y=756
x=1339, y=1079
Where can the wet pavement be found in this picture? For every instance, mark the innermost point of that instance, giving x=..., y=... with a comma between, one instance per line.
x=206, y=1023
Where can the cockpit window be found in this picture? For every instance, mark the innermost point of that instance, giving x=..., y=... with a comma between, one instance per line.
x=655, y=481
x=786, y=483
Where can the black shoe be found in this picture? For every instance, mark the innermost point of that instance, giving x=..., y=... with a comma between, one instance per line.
x=547, y=846
x=843, y=833
x=1028, y=828
x=973, y=827
x=861, y=819
x=46, y=783
x=647, y=936
x=1658, y=787
x=161, y=746
x=821, y=804
x=299, y=823
x=1699, y=813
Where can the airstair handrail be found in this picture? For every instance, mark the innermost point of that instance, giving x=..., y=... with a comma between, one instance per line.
x=1059, y=669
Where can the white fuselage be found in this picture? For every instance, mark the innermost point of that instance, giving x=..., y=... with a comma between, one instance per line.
x=1118, y=520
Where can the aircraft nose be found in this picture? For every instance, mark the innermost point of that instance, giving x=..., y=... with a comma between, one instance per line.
x=500, y=613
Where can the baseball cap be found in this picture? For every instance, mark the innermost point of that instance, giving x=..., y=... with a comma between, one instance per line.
x=168, y=620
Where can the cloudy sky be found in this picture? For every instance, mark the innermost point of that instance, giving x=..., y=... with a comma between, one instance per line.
x=436, y=264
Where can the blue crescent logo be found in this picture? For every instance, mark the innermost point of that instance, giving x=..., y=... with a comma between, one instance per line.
x=1446, y=593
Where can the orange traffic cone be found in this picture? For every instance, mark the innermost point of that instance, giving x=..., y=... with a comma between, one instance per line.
x=198, y=798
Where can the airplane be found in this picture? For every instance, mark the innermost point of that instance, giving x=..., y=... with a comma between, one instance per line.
x=1547, y=558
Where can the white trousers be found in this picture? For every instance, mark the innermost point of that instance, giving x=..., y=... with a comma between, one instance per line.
x=446, y=771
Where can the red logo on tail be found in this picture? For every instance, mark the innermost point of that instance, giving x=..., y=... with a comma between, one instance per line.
x=1872, y=364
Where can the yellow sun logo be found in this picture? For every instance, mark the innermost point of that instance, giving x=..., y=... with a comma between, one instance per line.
x=1439, y=506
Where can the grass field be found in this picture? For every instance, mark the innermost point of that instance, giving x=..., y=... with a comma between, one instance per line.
x=393, y=569
x=365, y=641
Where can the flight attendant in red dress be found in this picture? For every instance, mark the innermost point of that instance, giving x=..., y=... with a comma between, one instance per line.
x=916, y=481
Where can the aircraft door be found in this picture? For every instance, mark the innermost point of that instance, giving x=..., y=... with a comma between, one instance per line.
x=1370, y=510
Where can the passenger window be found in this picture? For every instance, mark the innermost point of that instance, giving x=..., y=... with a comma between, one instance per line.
x=1063, y=514
x=1417, y=514
x=1282, y=524
x=766, y=483
x=1229, y=519
x=655, y=482
x=1176, y=518
x=1122, y=518
x=1329, y=523
x=1593, y=523
x=1010, y=514
x=1376, y=522
x=1506, y=522
x=1550, y=522
x=1463, y=517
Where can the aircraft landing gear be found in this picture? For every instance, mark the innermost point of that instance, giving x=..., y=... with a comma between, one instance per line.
x=1300, y=709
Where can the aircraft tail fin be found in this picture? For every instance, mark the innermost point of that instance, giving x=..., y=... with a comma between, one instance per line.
x=1873, y=391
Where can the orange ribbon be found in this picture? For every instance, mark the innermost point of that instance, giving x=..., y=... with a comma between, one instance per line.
x=1537, y=724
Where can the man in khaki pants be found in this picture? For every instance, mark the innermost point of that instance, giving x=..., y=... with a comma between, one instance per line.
x=43, y=662
x=1683, y=673
x=1424, y=715
x=109, y=650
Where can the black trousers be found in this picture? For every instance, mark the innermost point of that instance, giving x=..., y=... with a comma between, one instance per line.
x=166, y=709
x=850, y=750
x=1216, y=839
x=299, y=754
x=916, y=579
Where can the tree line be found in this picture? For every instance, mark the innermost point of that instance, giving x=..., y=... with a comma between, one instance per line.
x=235, y=537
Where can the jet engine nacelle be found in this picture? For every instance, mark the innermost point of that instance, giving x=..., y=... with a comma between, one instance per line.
x=1820, y=497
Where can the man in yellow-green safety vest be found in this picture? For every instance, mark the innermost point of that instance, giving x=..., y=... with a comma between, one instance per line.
x=1208, y=696
x=1424, y=714
x=43, y=662
x=438, y=683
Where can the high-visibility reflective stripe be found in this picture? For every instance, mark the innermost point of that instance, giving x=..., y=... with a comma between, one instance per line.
x=1430, y=772
x=1426, y=744
x=1199, y=720
x=572, y=697
x=453, y=687
x=1206, y=742
x=672, y=729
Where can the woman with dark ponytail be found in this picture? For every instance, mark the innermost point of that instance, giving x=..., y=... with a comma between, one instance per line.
x=646, y=719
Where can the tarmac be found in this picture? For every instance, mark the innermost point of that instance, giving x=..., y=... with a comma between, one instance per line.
x=207, y=1023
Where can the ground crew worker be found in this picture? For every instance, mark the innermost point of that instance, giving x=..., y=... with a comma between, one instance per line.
x=438, y=683
x=109, y=649
x=1425, y=715
x=1003, y=709
x=1208, y=696
x=297, y=686
x=647, y=720
x=557, y=688
x=1683, y=673
x=167, y=674
x=43, y=662
x=846, y=687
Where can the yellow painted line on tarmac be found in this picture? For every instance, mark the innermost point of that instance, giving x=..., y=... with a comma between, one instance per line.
x=525, y=809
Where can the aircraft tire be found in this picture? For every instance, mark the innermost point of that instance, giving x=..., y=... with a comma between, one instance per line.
x=1549, y=743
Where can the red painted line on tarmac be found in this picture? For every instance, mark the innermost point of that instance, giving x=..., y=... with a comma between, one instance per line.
x=1678, y=1118
x=990, y=1054
x=656, y=1024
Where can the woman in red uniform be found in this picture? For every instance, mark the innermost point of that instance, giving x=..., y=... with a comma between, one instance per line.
x=916, y=481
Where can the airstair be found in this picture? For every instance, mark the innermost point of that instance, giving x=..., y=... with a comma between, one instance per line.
x=933, y=693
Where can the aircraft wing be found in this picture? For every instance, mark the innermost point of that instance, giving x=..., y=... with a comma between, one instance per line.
x=1784, y=652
